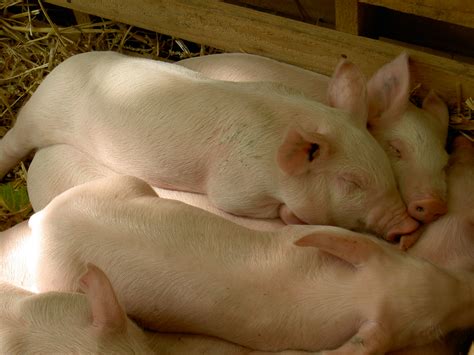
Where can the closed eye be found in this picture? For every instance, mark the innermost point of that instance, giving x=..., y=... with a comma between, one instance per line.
x=313, y=151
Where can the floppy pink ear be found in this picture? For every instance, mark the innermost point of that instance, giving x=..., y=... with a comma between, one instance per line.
x=350, y=246
x=107, y=314
x=389, y=91
x=347, y=91
x=300, y=149
x=436, y=107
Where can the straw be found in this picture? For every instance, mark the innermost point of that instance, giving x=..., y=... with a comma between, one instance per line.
x=34, y=40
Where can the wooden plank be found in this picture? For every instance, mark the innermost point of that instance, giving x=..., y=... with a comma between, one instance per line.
x=347, y=16
x=81, y=17
x=233, y=28
x=459, y=12
x=319, y=12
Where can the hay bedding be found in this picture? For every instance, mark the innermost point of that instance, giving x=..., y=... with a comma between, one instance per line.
x=35, y=37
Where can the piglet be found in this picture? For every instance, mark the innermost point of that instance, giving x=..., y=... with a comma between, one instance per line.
x=60, y=323
x=60, y=167
x=449, y=241
x=91, y=323
x=256, y=149
x=177, y=268
x=413, y=138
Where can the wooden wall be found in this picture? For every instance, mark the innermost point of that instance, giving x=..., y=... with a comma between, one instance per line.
x=237, y=28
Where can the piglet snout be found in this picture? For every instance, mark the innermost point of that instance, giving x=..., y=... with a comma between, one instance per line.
x=407, y=226
x=427, y=210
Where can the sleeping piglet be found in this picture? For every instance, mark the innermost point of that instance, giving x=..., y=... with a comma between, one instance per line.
x=413, y=138
x=91, y=323
x=60, y=323
x=177, y=268
x=59, y=167
x=256, y=149
x=449, y=241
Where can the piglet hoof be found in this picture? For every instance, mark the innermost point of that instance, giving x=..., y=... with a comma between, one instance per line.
x=289, y=217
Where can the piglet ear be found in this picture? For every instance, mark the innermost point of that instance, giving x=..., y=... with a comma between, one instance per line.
x=300, y=149
x=389, y=91
x=107, y=314
x=352, y=247
x=437, y=108
x=348, y=91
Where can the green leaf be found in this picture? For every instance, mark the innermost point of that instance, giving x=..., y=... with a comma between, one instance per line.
x=13, y=199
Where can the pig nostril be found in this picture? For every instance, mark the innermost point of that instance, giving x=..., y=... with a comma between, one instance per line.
x=420, y=209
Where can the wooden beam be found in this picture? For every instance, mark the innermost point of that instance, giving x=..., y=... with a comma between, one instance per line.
x=458, y=12
x=81, y=17
x=233, y=28
x=347, y=16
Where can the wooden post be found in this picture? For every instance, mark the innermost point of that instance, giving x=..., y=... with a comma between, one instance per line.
x=347, y=16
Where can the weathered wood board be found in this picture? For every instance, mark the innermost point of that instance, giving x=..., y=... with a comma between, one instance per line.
x=233, y=28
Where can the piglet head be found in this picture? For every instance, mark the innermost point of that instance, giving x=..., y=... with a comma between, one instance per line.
x=399, y=299
x=413, y=138
x=449, y=241
x=334, y=172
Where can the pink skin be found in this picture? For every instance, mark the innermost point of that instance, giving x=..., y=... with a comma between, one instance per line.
x=379, y=217
x=93, y=323
x=449, y=241
x=78, y=168
x=162, y=272
x=457, y=250
x=49, y=161
x=317, y=161
x=107, y=313
x=433, y=247
x=428, y=210
x=413, y=138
